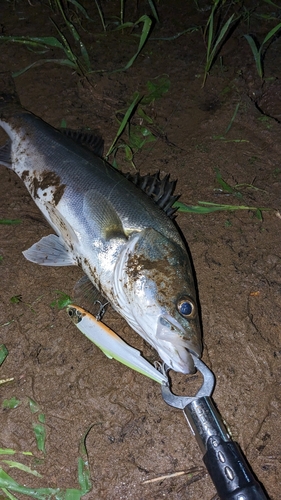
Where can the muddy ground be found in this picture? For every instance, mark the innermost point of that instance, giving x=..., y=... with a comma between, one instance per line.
x=134, y=435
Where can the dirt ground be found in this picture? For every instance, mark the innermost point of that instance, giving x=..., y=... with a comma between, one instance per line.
x=134, y=435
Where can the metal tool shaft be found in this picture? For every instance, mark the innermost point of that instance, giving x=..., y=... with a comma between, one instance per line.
x=205, y=421
x=222, y=457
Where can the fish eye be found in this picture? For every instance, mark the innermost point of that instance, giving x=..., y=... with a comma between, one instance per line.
x=186, y=307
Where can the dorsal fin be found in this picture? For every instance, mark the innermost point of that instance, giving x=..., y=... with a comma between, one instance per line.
x=160, y=190
x=88, y=140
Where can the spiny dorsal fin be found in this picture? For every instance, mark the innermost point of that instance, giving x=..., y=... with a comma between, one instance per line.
x=160, y=190
x=88, y=140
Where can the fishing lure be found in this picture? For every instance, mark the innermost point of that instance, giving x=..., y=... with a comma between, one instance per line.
x=111, y=344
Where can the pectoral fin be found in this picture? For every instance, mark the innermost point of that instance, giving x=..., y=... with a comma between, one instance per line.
x=50, y=251
x=5, y=155
x=89, y=297
x=105, y=220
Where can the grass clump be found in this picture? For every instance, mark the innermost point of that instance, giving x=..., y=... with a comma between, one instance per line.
x=72, y=49
x=9, y=487
x=136, y=122
x=259, y=50
x=214, y=37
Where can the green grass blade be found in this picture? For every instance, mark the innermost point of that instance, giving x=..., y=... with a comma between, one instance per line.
x=129, y=154
x=213, y=44
x=147, y=22
x=139, y=136
x=210, y=18
x=8, y=494
x=121, y=27
x=177, y=35
x=122, y=11
x=62, y=62
x=271, y=3
x=85, y=56
x=65, y=45
x=84, y=476
x=44, y=41
x=9, y=451
x=232, y=207
x=77, y=39
x=7, y=482
x=81, y=8
x=42, y=418
x=124, y=122
x=10, y=221
x=256, y=54
x=224, y=185
x=271, y=33
x=33, y=406
x=83, y=464
x=3, y=353
x=210, y=26
x=63, y=300
x=11, y=403
x=205, y=207
x=258, y=214
x=233, y=118
x=70, y=494
x=153, y=10
x=195, y=209
x=135, y=137
x=40, y=436
x=24, y=468
x=101, y=15
x=144, y=116
x=221, y=36
x=157, y=89
x=70, y=26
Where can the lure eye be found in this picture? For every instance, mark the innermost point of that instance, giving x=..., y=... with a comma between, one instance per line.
x=74, y=314
x=186, y=307
x=71, y=312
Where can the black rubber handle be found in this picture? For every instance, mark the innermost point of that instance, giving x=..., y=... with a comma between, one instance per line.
x=230, y=472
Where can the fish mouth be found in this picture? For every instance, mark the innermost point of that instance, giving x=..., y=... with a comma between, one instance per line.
x=175, y=348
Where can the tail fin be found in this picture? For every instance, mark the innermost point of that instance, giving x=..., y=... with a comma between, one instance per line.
x=8, y=93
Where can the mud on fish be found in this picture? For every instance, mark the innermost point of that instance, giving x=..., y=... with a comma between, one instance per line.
x=119, y=230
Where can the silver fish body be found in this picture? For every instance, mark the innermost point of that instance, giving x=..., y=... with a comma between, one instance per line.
x=127, y=246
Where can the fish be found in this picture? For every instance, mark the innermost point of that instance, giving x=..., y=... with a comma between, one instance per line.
x=111, y=344
x=128, y=246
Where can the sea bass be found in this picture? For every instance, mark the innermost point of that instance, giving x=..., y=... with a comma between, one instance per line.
x=125, y=243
